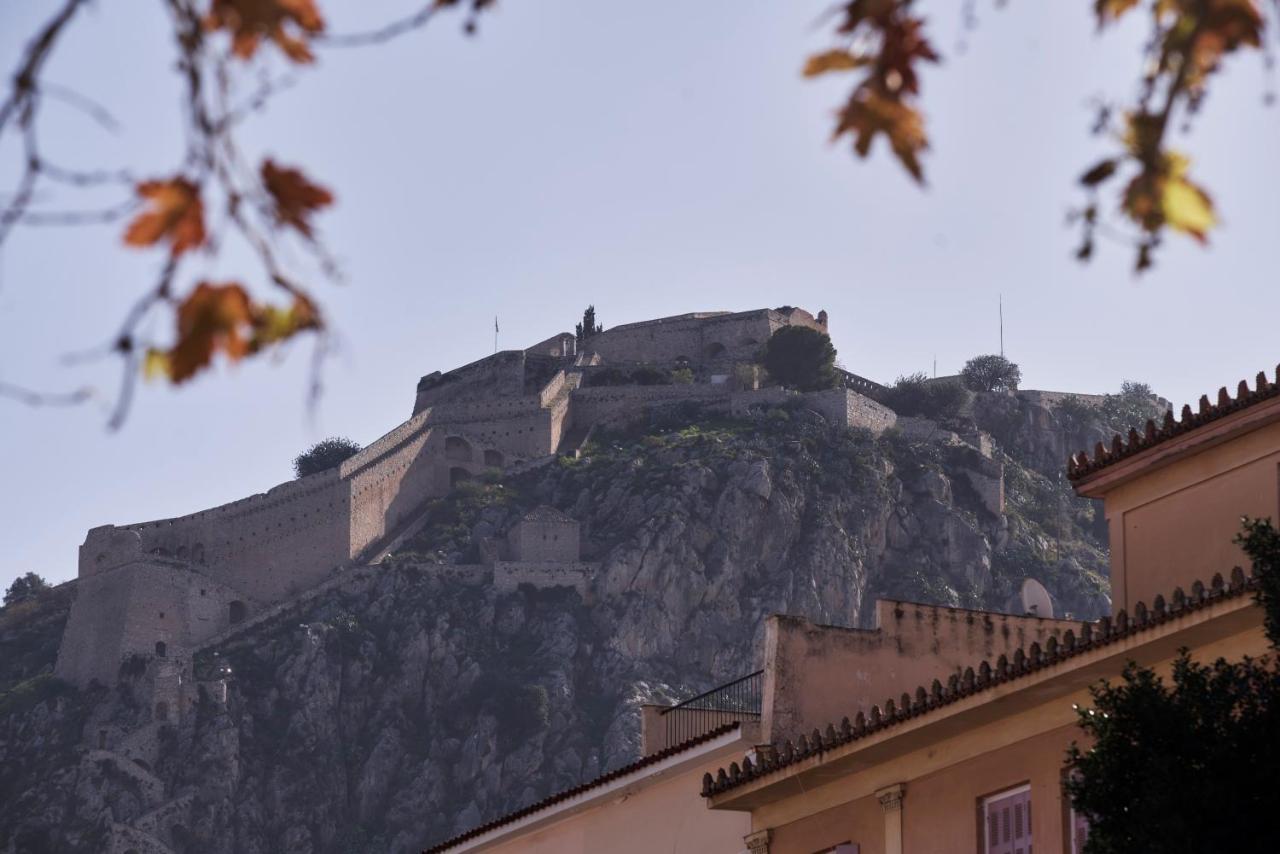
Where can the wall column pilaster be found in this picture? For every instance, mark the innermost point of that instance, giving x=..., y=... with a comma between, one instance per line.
x=890, y=798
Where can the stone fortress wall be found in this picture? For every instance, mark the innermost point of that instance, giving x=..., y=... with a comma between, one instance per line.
x=700, y=337
x=164, y=588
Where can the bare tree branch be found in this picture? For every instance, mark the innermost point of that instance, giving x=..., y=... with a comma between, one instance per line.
x=386, y=33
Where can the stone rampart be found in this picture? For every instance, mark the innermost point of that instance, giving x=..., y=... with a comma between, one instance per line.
x=509, y=575
x=499, y=375
x=850, y=409
x=152, y=607
x=698, y=338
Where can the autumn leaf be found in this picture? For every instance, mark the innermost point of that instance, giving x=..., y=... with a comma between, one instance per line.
x=1109, y=11
x=295, y=197
x=903, y=45
x=288, y=23
x=1186, y=206
x=212, y=318
x=832, y=60
x=220, y=318
x=1165, y=197
x=155, y=364
x=869, y=113
x=175, y=213
x=1100, y=172
x=272, y=325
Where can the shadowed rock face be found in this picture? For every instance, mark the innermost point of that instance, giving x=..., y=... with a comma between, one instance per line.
x=415, y=701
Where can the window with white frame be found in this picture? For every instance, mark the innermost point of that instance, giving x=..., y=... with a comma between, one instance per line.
x=1006, y=822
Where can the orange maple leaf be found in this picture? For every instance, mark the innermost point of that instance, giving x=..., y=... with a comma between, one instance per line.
x=211, y=318
x=175, y=213
x=294, y=196
x=288, y=23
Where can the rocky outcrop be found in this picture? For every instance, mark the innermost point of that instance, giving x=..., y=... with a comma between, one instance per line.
x=409, y=702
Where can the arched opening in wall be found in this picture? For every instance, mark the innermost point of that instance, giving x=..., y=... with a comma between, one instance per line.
x=457, y=448
x=715, y=350
x=161, y=649
x=182, y=552
x=750, y=343
x=160, y=552
x=458, y=475
x=236, y=612
x=493, y=458
x=102, y=739
x=162, y=711
x=197, y=552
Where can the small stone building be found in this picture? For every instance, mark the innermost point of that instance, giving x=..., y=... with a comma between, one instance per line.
x=544, y=534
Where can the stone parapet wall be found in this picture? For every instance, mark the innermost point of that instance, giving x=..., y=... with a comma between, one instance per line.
x=850, y=409
x=509, y=575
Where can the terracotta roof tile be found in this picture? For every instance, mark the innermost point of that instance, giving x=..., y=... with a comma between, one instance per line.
x=1035, y=657
x=566, y=794
x=1080, y=465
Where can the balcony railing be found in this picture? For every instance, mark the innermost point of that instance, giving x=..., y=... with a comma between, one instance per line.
x=739, y=700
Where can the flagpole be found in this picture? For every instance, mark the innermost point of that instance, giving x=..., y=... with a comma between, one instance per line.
x=495, y=333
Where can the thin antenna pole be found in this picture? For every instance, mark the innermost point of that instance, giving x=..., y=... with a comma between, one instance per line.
x=935, y=366
x=495, y=333
x=1002, y=326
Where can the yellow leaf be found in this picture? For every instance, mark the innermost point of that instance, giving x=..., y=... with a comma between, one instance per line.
x=1187, y=208
x=832, y=60
x=155, y=364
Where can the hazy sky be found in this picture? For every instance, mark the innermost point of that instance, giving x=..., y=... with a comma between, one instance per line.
x=651, y=158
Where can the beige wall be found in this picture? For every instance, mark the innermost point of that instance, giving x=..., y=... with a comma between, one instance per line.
x=860, y=821
x=955, y=755
x=1175, y=524
x=815, y=675
x=657, y=811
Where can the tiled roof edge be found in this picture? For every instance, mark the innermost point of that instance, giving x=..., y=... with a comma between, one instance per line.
x=1080, y=465
x=565, y=794
x=1104, y=632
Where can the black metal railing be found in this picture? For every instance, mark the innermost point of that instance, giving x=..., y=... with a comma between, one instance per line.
x=739, y=700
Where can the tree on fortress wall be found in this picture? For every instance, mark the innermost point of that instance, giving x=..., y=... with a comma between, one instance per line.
x=235, y=56
x=1191, y=766
x=588, y=326
x=991, y=373
x=25, y=587
x=801, y=358
x=324, y=455
x=1131, y=407
x=914, y=395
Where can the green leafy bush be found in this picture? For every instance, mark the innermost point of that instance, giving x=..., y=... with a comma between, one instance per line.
x=324, y=455
x=916, y=395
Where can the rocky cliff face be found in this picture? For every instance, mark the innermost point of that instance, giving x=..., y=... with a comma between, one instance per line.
x=413, y=701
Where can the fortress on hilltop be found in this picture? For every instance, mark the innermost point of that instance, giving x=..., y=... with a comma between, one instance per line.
x=152, y=594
